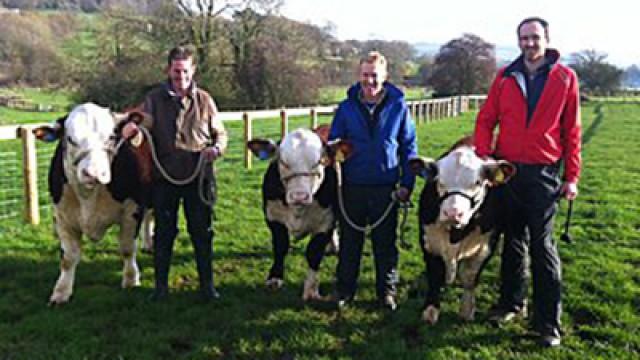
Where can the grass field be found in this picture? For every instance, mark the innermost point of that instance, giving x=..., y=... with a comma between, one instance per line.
x=601, y=272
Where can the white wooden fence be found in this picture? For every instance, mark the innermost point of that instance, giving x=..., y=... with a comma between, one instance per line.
x=421, y=110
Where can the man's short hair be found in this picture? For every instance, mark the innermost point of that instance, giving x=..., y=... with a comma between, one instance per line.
x=376, y=58
x=539, y=20
x=182, y=52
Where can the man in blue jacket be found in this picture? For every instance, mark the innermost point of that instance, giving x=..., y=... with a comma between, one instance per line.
x=376, y=120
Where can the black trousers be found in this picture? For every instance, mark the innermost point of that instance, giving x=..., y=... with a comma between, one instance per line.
x=166, y=201
x=365, y=205
x=530, y=205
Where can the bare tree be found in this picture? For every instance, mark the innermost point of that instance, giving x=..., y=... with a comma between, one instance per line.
x=464, y=65
x=595, y=73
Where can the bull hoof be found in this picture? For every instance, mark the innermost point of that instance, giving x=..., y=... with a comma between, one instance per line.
x=58, y=299
x=430, y=315
x=274, y=283
x=468, y=314
x=468, y=309
x=129, y=282
x=314, y=296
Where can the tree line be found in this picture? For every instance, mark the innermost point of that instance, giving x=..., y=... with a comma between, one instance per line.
x=248, y=55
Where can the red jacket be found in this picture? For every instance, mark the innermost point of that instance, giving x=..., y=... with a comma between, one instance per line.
x=553, y=132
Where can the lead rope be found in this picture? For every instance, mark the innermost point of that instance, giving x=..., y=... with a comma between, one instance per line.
x=199, y=172
x=367, y=229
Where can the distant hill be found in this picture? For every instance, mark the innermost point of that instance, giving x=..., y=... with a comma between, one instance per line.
x=504, y=54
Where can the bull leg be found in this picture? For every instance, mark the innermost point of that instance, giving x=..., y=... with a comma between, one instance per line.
x=127, y=242
x=280, y=244
x=147, y=231
x=435, y=279
x=314, y=255
x=71, y=251
x=469, y=277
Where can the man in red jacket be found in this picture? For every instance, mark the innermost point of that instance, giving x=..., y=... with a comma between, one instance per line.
x=535, y=103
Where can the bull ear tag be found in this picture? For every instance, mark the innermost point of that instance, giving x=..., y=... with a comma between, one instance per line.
x=263, y=154
x=499, y=176
x=339, y=156
x=50, y=137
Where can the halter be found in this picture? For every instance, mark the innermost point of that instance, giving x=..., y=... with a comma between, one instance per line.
x=312, y=173
x=472, y=200
x=112, y=146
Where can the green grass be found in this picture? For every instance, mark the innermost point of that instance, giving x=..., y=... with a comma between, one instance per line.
x=601, y=273
x=60, y=100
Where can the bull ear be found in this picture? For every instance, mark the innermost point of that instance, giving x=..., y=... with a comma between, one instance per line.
x=323, y=132
x=262, y=148
x=337, y=150
x=137, y=117
x=49, y=133
x=424, y=167
x=498, y=172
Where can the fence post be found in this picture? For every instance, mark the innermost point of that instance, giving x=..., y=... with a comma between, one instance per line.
x=247, y=136
x=284, y=123
x=454, y=106
x=314, y=118
x=30, y=175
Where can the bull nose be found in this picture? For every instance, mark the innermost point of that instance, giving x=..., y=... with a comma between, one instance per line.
x=453, y=214
x=88, y=176
x=95, y=176
x=299, y=197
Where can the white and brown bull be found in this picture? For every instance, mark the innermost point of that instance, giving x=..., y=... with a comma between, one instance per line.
x=95, y=181
x=459, y=217
x=299, y=192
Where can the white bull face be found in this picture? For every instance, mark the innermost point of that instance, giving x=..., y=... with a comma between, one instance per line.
x=462, y=181
x=301, y=165
x=461, y=185
x=90, y=144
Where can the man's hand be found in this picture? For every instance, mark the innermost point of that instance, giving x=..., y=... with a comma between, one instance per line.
x=130, y=130
x=403, y=194
x=132, y=133
x=211, y=153
x=570, y=190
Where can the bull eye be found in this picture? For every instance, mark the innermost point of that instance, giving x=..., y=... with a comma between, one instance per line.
x=284, y=165
x=71, y=141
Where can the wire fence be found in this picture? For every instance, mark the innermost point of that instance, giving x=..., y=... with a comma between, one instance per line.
x=11, y=185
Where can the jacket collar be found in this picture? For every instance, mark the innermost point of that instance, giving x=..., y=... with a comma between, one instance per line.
x=173, y=94
x=391, y=92
x=517, y=66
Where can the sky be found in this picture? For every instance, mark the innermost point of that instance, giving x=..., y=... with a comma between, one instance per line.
x=574, y=25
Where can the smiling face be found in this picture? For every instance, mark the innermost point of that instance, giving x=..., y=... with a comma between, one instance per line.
x=372, y=77
x=180, y=73
x=532, y=40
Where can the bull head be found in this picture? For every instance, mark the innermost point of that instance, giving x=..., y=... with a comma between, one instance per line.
x=88, y=136
x=302, y=157
x=462, y=180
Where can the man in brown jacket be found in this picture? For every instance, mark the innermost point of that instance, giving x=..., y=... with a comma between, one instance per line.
x=184, y=127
